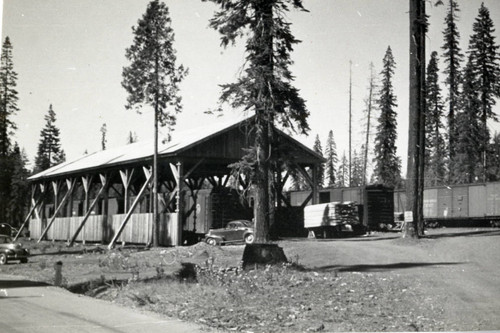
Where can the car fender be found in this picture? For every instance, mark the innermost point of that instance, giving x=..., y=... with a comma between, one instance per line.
x=218, y=238
x=247, y=233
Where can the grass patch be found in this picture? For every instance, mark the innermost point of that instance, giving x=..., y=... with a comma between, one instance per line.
x=281, y=299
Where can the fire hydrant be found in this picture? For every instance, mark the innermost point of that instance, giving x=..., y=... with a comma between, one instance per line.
x=58, y=274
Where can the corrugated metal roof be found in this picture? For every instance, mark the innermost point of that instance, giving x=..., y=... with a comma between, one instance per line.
x=181, y=140
x=138, y=150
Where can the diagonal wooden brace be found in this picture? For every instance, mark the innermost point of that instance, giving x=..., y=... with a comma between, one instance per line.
x=66, y=196
x=104, y=182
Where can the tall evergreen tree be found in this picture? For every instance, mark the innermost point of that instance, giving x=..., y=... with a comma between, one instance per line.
x=484, y=59
x=387, y=164
x=343, y=172
x=132, y=137
x=493, y=159
x=104, y=132
x=19, y=199
x=435, y=168
x=152, y=78
x=264, y=86
x=8, y=97
x=49, y=148
x=321, y=171
x=331, y=160
x=368, y=117
x=453, y=58
x=468, y=157
x=8, y=108
x=298, y=183
x=357, y=176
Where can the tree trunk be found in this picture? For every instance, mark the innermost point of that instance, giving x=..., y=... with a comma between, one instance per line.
x=154, y=228
x=416, y=141
x=261, y=209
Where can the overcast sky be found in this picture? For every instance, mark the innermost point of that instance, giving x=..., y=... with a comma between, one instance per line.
x=70, y=53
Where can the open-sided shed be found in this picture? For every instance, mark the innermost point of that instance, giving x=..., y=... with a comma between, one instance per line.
x=106, y=196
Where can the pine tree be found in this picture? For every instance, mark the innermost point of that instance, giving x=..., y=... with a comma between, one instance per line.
x=152, y=78
x=468, y=156
x=8, y=108
x=104, y=132
x=484, y=60
x=387, y=164
x=132, y=137
x=8, y=98
x=331, y=160
x=19, y=198
x=453, y=58
x=298, y=182
x=493, y=159
x=368, y=118
x=435, y=149
x=321, y=172
x=343, y=172
x=49, y=148
x=357, y=177
x=264, y=86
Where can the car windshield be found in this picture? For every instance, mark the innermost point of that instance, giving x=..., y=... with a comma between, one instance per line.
x=239, y=224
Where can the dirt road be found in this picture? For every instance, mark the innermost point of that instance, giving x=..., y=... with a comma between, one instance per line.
x=36, y=307
x=459, y=266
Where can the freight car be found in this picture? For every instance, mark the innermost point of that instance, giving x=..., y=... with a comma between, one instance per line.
x=376, y=202
x=458, y=205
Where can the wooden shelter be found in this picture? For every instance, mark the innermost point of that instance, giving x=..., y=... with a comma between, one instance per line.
x=106, y=196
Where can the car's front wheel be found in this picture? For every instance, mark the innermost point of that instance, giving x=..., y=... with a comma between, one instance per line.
x=211, y=241
x=249, y=238
x=3, y=258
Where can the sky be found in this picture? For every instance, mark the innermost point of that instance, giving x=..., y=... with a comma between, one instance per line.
x=70, y=54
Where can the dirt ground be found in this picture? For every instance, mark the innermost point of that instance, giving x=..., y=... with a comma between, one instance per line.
x=447, y=281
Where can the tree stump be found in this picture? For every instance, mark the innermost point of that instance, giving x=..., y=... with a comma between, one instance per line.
x=256, y=255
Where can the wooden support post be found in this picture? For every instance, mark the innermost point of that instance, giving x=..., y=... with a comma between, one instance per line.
x=86, y=182
x=105, y=207
x=177, y=227
x=66, y=196
x=129, y=213
x=314, y=185
x=126, y=177
x=104, y=182
x=56, y=185
x=32, y=210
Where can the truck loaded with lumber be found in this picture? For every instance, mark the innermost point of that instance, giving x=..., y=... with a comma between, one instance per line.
x=332, y=219
x=375, y=203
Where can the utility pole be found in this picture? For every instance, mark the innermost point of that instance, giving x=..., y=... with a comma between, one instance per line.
x=369, y=109
x=350, y=122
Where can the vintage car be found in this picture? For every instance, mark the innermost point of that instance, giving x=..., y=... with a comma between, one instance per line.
x=7, y=229
x=235, y=231
x=11, y=251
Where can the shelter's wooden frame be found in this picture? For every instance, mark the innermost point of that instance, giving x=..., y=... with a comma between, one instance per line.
x=184, y=169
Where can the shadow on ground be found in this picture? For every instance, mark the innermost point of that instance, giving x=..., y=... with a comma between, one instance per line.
x=462, y=234
x=21, y=284
x=382, y=268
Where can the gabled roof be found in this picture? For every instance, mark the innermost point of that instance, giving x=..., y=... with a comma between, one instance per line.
x=181, y=142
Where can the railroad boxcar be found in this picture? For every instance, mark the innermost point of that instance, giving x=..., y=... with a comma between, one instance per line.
x=458, y=205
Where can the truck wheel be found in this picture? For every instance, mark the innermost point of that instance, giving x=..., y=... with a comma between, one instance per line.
x=3, y=258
